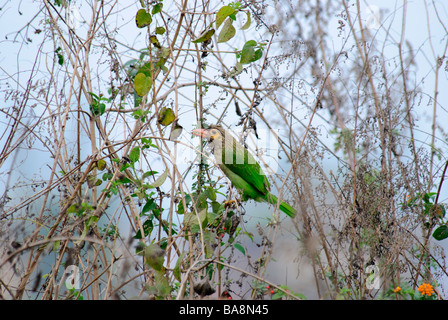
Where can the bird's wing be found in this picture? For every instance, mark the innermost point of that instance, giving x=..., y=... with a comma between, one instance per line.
x=244, y=164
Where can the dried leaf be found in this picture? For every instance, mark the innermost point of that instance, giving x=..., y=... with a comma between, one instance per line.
x=154, y=256
x=101, y=164
x=176, y=270
x=248, y=22
x=176, y=131
x=203, y=287
x=228, y=31
x=155, y=41
x=204, y=36
x=166, y=116
x=142, y=84
x=143, y=18
x=160, y=180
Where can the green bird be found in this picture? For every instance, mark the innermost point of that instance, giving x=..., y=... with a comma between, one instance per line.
x=240, y=167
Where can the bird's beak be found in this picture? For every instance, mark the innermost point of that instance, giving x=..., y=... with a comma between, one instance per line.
x=201, y=133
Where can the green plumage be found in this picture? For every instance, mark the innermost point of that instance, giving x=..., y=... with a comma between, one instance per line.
x=241, y=167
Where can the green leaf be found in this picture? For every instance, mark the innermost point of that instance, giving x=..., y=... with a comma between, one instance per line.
x=248, y=52
x=149, y=206
x=248, y=22
x=428, y=208
x=429, y=197
x=222, y=14
x=176, y=270
x=240, y=248
x=107, y=176
x=123, y=180
x=278, y=295
x=154, y=256
x=91, y=180
x=258, y=54
x=149, y=173
x=147, y=229
x=213, y=218
x=89, y=223
x=191, y=220
x=228, y=31
x=250, y=235
x=92, y=221
x=60, y=56
x=142, y=18
x=134, y=155
x=200, y=201
x=145, y=69
x=96, y=107
x=203, y=219
x=142, y=84
x=210, y=193
x=204, y=36
x=166, y=116
x=161, y=285
x=250, y=43
x=157, y=8
x=180, y=206
x=94, y=95
x=56, y=245
x=217, y=207
x=160, y=30
x=101, y=164
x=209, y=243
x=441, y=233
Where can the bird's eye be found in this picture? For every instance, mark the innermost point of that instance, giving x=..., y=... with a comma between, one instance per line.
x=214, y=131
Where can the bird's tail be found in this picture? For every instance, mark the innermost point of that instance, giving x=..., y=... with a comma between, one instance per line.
x=286, y=208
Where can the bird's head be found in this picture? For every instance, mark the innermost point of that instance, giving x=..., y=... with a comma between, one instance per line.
x=213, y=133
